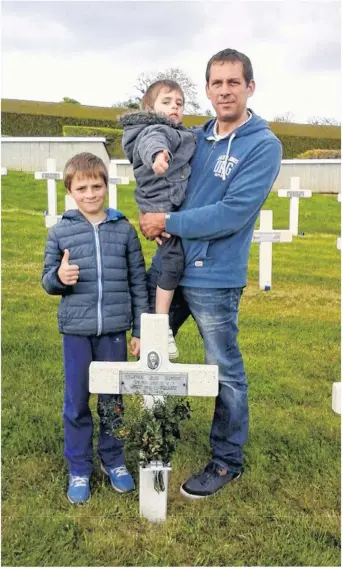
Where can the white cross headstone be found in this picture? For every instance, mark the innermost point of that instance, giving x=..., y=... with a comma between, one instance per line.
x=266, y=236
x=51, y=175
x=113, y=180
x=153, y=376
x=336, y=386
x=3, y=171
x=294, y=192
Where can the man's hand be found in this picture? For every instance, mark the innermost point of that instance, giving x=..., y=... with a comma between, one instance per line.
x=68, y=274
x=152, y=224
x=135, y=346
x=160, y=165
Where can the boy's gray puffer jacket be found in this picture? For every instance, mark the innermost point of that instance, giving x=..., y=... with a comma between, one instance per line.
x=145, y=134
x=111, y=292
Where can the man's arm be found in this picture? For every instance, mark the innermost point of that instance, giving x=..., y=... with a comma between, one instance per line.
x=245, y=196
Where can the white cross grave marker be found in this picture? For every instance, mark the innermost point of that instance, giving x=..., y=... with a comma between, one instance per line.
x=266, y=236
x=3, y=171
x=294, y=192
x=153, y=375
x=51, y=175
x=69, y=202
x=112, y=183
x=336, y=386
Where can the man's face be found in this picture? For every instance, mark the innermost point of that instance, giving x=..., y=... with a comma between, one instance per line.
x=228, y=91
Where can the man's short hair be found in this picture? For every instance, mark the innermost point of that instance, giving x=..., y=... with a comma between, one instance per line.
x=87, y=165
x=153, y=90
x=231, y=55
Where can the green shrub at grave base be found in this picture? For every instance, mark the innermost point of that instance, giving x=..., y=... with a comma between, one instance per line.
x=113, y=137
x=321, y=153
x=295, y=145
x=152, y=433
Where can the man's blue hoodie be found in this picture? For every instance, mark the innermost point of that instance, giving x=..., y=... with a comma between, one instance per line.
x=230, y=180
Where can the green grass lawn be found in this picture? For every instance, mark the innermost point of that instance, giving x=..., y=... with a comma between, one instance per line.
x=285, y=511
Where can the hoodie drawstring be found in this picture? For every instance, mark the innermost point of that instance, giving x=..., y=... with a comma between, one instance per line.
x=227, y=156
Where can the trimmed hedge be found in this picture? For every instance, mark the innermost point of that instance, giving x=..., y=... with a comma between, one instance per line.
x=113, y=137
x=35, y=118
x=320, y=153
x=294, y=145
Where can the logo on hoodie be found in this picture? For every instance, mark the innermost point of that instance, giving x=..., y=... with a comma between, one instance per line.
x=224, y=166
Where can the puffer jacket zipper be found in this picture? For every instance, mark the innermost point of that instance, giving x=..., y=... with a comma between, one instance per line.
x=99, y=270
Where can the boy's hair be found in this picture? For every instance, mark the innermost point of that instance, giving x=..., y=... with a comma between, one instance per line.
x=86, y=164
x=231, y=55
x=153, y=90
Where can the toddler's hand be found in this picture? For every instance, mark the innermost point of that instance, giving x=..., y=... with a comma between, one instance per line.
x=160, y=165
x=135, y=346
x=68, y=274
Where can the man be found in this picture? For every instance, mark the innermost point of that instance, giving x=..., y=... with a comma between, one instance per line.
x=234, y=167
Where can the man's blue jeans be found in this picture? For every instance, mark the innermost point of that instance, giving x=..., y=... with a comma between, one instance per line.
x=215, y=311
x=78, y=353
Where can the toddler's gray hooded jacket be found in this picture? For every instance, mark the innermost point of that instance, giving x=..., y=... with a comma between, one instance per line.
x=146, y=134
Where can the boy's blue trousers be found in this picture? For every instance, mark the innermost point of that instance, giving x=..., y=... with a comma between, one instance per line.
x=79, y=352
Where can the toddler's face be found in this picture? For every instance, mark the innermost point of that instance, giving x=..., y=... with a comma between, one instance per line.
x=169, y=103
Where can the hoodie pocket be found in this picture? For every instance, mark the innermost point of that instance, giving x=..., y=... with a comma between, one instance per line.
x=196, y=253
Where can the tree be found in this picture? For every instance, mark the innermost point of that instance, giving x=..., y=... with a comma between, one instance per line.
x=286, y=117
x=208, y=113
x=71, y=101
x=328, y=121
x=145, y=79
x=131, y=103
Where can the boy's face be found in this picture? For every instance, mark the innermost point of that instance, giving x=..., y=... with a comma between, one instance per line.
x=170, y=104
x=89, y=194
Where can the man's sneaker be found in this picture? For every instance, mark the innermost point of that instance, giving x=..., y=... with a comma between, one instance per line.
x=120, y=478
x=172, y=347
x=208, y=482
x=78, y=490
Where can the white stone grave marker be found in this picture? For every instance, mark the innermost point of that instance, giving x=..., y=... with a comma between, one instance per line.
x=153, y=376
x=69, y=202
x=294, y=192
x=3, y=171
x=266, y=236
x=51, y=175
x=336, y=397
x=113, y=180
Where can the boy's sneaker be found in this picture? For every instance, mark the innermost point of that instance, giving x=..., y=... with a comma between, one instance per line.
x=78, y=490
x=172, y=347
x=120, y=478
x=208, y=482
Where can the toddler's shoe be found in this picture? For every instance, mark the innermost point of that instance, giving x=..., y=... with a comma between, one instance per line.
x=78, y=490
x=120, y=478
x=172, y=347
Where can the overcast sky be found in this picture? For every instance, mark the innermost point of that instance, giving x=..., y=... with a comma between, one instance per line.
x=94, y=51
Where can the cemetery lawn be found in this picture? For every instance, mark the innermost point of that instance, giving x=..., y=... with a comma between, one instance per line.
x=285, y=510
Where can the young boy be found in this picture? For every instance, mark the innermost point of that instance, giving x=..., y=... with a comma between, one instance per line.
x=160, y=148
x=93, y=259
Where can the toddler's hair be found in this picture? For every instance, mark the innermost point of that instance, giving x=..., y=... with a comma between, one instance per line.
x=86, y=164
x=153, y=90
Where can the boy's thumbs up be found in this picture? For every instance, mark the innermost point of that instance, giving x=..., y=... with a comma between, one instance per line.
x=160, y=165
x=65, y=258
x=68, y=274
x=166, y=155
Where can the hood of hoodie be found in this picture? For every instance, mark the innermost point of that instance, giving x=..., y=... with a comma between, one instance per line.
x=134, y=123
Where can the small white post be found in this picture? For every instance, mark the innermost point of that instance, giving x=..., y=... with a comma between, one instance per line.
x=112, y=183
x=152, y=504
x=294, y=193
x=336, y=397
x=266, y=252
x=3, y=171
